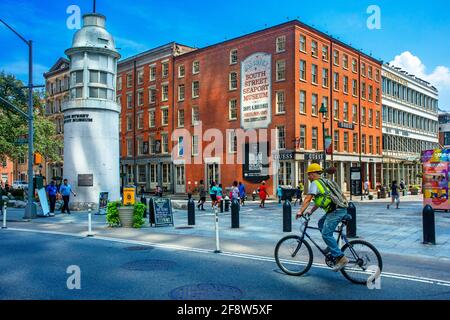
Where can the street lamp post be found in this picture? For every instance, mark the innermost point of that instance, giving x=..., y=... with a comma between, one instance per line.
x=323, y=111
x=29, y=212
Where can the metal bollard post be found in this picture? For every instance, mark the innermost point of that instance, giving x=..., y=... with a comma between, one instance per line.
x=217, y=231
x=191, y=211
x=227, y=204
x=221, y=205
x=4, y=216
x=351, y=225
x=287, y=216
x=429, y=234
x=90, y=222
x=235, y=213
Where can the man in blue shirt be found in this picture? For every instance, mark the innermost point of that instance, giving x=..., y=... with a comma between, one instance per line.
x=66, y=190
x=51, y=192
x=242, y=192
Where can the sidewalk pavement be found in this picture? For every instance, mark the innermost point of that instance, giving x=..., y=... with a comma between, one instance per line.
x=394, y=231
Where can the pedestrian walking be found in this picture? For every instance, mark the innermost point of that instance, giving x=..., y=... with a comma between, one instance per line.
x=299, y=194
x=262, y=194
x=66, y=190
x=235, y=193
x=51, y=193
x=219, y=194
x=242, y=194
x=319, y=191
x=366, y=187
x=202, y=194
x=279, y=193
x=213, y=194
x=395, y=195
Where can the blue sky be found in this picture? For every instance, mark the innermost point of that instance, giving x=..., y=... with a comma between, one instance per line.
x=418, y=32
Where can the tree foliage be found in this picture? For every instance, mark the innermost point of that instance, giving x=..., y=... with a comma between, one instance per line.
x=13, y=126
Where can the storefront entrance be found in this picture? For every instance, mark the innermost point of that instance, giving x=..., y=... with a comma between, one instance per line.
x=180, y=184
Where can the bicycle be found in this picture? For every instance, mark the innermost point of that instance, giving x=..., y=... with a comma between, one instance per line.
x=288, y=252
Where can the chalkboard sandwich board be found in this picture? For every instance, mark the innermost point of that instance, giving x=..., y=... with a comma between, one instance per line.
x=161, y=213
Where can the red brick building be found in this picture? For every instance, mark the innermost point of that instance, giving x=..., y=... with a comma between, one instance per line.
x=275, y=81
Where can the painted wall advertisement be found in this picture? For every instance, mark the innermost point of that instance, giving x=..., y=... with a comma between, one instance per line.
x=436, y=174
x=256, y=77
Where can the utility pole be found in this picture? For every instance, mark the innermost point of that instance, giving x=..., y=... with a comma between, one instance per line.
x=30, y=211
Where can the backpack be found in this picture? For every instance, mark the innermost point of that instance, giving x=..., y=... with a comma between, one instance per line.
x=334, y=192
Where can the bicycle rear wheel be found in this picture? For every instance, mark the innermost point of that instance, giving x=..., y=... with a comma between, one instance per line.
x=364, y=261
x=293, y=255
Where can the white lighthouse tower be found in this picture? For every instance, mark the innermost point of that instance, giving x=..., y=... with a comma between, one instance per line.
x=91, y=116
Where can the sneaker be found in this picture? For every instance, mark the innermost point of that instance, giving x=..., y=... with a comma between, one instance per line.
x=340, y=263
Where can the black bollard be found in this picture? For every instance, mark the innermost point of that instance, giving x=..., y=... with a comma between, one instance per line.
x=287, y=216
x=191, y=211
x=429, y=234
x=221, y=205
x=151, y=211
x=235, y=207
x=351, y=225
x=227, y=204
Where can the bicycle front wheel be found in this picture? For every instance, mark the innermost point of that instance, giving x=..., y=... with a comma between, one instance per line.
x=364, y=261
x=293, y=255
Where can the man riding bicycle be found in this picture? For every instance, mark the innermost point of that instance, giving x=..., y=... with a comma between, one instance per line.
x=333, y=215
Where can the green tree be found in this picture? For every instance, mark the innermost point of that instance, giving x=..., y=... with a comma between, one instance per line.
x=14, y=126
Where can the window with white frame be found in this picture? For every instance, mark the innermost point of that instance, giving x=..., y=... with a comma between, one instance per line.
x=233, y=56
x=164, y=143
x=180, y=146
x=195, y=89
x=195, y=67
x=354, y=88
x=336, y=140
x=345, y=61
x=140, y=146
x=233, y=81
x=129, y=80
x=303, y=70
x=281, y=70
x=232, y=107
x=302, y=101
x=336, y=81
x=232, y=142
x=325, y=103
x=346, y=111
x=355, y=142
x=181, y=71
x=140, y=95
x=346, y=145
x=140, y=120
x=152, y=73
x=325, y=77
x=314, y=102
x=129, y=147
x=129, y=123
x=314, y=138
x=281, y=44
x=181, y=92
x=140, y=76
x=151, y=118
x=314, y=50
x=165, y=92
x=302, y=140
x=181, y=118
x=194, y=145
x=354, y=66
x=281, y=137
x=354, y=113
x=302, y=43
x=280, y=101
x=336, y=110
x=129, y=101
x=152, y=144
x=152, y=95
x=336, y=57
x=165, y=116
x=325, y=53
x=119, y=100
x=119, y=83
x=165, y=69
x=363, y=69
x=314, y=74
x=195, y=116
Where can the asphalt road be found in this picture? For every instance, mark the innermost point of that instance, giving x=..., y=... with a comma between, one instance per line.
x=34, y=266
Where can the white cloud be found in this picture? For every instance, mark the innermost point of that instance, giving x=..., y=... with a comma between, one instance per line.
x=439, y=77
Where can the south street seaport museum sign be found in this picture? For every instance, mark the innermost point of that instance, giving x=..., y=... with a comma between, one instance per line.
x=256, y=91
